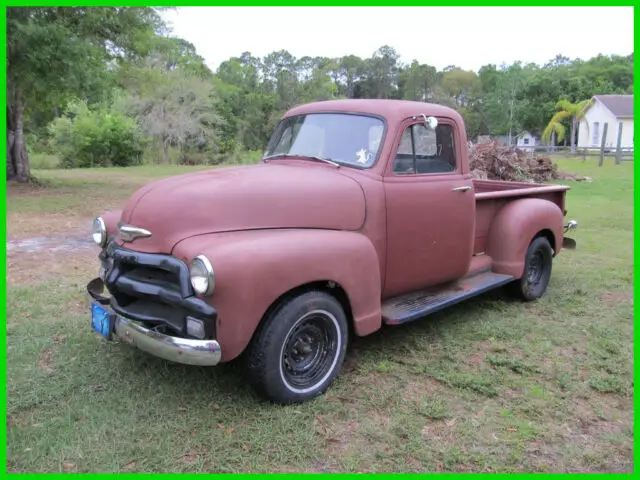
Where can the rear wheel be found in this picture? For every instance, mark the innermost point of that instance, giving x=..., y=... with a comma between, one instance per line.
x=537, y=271
x=299, y=349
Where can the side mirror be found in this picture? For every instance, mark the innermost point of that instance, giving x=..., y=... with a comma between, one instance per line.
x=430, y=123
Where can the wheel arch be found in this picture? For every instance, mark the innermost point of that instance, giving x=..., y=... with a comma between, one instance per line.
x=549, y=235
x=329, y=287
x=515, y=226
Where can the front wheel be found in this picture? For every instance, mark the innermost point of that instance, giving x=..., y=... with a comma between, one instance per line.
x=537, y=271
x=299, y=349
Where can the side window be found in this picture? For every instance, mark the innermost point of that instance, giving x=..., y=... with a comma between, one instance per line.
x=424, y=151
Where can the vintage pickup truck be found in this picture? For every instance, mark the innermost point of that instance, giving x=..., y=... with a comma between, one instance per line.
x=361, y=214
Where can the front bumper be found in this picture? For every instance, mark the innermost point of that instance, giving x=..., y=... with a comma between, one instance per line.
x=176, y=349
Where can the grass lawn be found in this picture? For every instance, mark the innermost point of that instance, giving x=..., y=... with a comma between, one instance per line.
x=490, y=385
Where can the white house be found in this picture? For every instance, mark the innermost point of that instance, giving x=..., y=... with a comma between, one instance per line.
x=526, y=140
x=614, y=110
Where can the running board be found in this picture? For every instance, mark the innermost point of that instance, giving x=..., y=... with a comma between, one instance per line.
x=416, y=305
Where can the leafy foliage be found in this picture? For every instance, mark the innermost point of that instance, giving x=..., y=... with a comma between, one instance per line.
x=175, y=108
x=55, y=53
x=498, y=100
x=95, y=138
x=568, y=110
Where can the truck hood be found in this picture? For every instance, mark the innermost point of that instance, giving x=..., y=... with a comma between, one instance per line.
x=243, y=198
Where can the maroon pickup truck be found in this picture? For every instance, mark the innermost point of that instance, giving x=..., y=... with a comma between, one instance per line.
x=361, y=214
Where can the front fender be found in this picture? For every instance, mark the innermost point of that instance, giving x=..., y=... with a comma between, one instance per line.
x=254, y=268
x=515, y=226
x=111, y=219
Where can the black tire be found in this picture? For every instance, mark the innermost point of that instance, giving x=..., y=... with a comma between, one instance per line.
x=299, y=348
x=537, y=271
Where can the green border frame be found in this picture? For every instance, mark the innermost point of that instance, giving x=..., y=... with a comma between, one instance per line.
x=458, y=3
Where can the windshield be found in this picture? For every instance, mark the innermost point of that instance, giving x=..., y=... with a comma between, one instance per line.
x=344, y=138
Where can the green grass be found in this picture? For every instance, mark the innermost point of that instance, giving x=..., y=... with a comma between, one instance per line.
x=43, y=161
x=490, y=385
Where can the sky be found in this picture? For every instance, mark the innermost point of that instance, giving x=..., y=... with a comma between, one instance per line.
x=468, y=37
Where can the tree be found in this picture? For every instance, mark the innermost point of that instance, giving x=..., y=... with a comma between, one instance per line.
x=461, y=85
x=418, y=81
x=175, y=108
x=574, y=111
x=554, y=132
x=502, y=101
x=380, y=74
x=56, y=53
x=349, y=68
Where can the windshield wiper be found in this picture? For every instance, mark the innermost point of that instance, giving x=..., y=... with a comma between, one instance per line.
x=312, y=157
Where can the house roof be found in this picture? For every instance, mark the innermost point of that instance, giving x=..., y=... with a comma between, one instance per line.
x=525, y=132
x=619, y=105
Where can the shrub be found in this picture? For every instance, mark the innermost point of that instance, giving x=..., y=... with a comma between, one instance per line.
x=96, y=138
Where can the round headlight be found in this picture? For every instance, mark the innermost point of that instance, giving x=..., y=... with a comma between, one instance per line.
x=99, y=232
x=202, y=278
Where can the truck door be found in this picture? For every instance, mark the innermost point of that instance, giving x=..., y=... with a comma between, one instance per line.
x=430, y=208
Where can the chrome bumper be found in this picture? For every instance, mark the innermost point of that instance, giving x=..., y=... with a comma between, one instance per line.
x=569, y=243
x=572, y=225
x=175, y=349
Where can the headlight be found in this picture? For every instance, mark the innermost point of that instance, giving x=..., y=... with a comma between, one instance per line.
x=202, y=279
x=99, y=232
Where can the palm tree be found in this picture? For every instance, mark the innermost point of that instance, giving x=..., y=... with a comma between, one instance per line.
x=556, y=130
x=575, y=111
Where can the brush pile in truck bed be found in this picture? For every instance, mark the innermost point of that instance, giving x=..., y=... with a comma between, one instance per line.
x=492, y=161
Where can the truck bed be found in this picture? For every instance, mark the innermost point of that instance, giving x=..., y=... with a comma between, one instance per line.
x=491, y=195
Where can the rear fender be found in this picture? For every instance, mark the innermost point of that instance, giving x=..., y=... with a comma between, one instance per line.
x=515, y=226
x=255, y=268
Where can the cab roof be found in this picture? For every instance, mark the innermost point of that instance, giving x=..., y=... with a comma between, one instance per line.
x=392, y=110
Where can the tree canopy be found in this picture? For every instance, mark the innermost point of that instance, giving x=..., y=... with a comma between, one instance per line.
x=125, y=61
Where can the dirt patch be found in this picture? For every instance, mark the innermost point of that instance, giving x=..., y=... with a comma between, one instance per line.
x=358, y=438
x=59, y=338
x=45, y=362
x=26, y=225
x=440, y=431
x=573, y=178
x=50, y=244
x=615, y=298
x=594, y=436
x=426, y=387
x=189, y=458
x=41, y=259
x=476, y=359
x=25, y=189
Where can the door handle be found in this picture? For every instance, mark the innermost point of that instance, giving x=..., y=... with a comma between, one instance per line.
x=462, y=189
